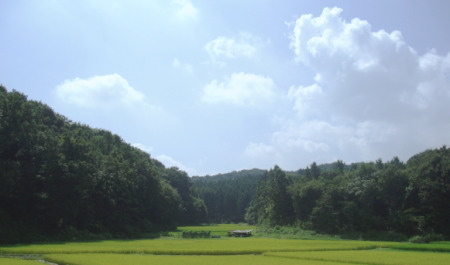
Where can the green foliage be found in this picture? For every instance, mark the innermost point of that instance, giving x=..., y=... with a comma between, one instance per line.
x=227, y=196
x=193, y=209
x=196, y=234
x=217, y=230
x=426, y=238
x=273, y=204
x=62, y=180
x=442, y=246
x=373, y=200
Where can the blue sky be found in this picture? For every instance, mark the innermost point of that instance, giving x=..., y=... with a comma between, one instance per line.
x=216, y=86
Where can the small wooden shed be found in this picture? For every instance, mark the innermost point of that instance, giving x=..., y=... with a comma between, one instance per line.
x=240, y=233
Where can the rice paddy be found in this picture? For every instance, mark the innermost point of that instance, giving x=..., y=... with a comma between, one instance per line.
x=16, y=261
x=225, y=250
x=370, y=257
x=170, y=246
x=120, y=259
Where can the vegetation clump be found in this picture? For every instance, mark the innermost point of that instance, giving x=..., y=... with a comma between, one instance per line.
x=196, y=234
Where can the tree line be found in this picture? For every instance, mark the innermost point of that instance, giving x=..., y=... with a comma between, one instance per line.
x=372, y=200
x=65, y=180
x=392, y=200
x=62, y=180
x=227, y=196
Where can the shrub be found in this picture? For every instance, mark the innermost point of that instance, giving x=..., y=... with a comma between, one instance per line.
x=427, y=238
x=196, y=234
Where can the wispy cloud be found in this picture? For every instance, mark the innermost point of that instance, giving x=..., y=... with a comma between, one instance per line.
x=241, y=89
x=143, y=147
x=184, y=67
x=185, y=9
x=171, y=162
x=244, y=45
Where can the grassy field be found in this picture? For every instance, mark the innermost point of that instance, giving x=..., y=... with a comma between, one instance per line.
x=226, y=250
x=121, y=259
x=170, y=246
x=16, y=261
x=385, y=257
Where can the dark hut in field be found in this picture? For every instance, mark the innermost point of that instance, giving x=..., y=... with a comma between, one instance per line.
x=240, y=233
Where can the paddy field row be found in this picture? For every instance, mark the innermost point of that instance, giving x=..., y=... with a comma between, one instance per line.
x=226, y=250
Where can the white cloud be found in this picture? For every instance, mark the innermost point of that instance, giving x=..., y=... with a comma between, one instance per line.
x=99, y=92
x=185, y=9
x=185, y=67
x=303, y=96
x=374, y=96
x=367, y=75
x=143, y=147
x=170, y=162
x=243, y=46
x=298, y=143
x=240, y=89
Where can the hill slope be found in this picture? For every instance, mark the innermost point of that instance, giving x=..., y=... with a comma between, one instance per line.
x=61, y=179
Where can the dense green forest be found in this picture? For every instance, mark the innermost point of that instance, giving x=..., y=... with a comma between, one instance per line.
x=227, y=196
x=63, y=180
x=373, y=200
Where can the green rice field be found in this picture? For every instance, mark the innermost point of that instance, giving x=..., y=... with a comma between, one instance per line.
x=170, y=246
x=16, y=261
x=386, y=257
x=226, y=250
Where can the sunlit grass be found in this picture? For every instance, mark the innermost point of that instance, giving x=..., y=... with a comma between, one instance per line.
x=381, y=257
x=14, y=261
x=121, y=259
x=222, y=246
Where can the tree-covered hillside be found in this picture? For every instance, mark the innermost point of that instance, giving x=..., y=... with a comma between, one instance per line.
x=64, y=180
x=372, y=200
x=365, y=199
x=227, y=196
x=60, y=179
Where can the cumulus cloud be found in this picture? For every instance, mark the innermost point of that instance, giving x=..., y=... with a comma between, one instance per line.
x=185, y=9
x=224, y=48
x=373, y=96
x=99, y=92
x=303, y=97
x=241, y=89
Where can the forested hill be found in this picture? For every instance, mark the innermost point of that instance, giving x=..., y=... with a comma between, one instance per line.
x=373, y=200
x=227, y=196
x=63, y=180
